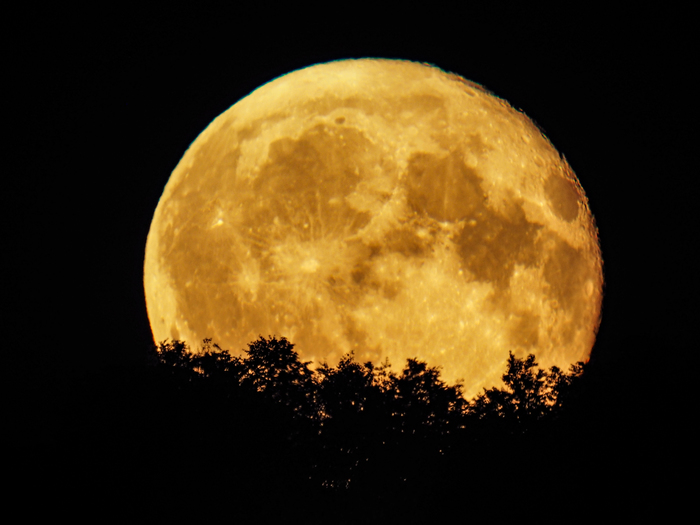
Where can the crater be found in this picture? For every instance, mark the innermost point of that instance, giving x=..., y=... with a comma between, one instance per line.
x=443, y=187
x=562, y=196
x=405, y=242
x=567, y=271
x=422, y=103
x=491, y=244
x=359, y=274
x=174, y=333
x=304, y=182
x=526, y=331
x=196, y=260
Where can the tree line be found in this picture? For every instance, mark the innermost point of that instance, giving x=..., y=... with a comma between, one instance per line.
x=361, y=443
x=357, y=427
x=415, y=397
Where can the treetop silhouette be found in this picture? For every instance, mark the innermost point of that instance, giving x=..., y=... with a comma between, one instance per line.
x=530, y=393
x=415, y=397
x=264, y=422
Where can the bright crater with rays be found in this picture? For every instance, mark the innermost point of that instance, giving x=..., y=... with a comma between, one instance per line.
x=382, y=207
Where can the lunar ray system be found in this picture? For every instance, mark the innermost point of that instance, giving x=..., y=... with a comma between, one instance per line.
x=383, y=207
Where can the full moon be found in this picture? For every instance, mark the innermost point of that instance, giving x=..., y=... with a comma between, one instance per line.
x=383, y=207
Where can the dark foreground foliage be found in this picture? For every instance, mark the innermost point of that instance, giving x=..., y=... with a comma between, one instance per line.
x=263, y=437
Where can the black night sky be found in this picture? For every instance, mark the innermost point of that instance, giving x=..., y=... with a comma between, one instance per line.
x=104, y=104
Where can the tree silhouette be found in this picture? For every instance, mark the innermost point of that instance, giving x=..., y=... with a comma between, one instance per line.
x=268, y=431
x=530, y=393
x=354, y=422
x=415, y=401
x=422, y=400
x=174, y=355
x=352, y=432
x=272, y=368
x=215, y=363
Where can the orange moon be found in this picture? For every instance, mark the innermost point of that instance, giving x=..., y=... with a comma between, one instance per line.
x=383, y=207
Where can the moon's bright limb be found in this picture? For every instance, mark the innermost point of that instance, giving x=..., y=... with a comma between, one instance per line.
x=380, y=206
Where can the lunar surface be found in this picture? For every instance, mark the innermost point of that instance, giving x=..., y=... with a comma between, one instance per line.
x=382, y=207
